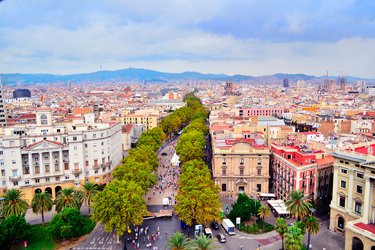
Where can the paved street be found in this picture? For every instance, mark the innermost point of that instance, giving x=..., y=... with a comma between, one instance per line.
x=168, y=177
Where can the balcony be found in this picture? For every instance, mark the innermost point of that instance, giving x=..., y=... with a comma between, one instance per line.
x=15, y=178
x=76, y=171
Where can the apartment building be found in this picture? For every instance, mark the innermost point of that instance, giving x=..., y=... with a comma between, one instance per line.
x=240, y=164
x=296, y=167
x=353, y=199
x=48, y=157
x=150, y=118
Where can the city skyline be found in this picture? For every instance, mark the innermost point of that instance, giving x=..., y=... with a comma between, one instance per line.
x=250, y=38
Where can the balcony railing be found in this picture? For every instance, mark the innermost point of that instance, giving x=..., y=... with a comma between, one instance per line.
x=15, y=178
x=76, y=171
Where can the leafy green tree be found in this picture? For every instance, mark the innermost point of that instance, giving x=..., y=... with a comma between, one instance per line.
x=12, y=230
x=298, y=205
x=293, y=238
x=202, y=242
x=68, y=197
x=89, y=190
x=312, y=226
x=244, y=207
x=42, y=202
x=191, y=146
x=143, y=154
x=262, y=213
x=177, y=241
x=170, y=124
x=70, y=223
x=119, y=205
x=198, y=197
x=141, y=173
x=282, y=228
x=13, y=203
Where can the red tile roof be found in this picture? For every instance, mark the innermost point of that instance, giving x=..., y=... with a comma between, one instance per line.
x=367, y=227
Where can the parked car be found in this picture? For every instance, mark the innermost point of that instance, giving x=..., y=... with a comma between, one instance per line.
x=221, y=238
x=215, y=224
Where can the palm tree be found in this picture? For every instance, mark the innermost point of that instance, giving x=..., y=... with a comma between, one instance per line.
x=42, y=202
x=312, y=225
x=67, y=197
x=177, y=241
x=281, y=228
x=263, y=212
x=13, y=203
x=293, y=238
x=88, y=192
x=298, y=205
x=202, y=242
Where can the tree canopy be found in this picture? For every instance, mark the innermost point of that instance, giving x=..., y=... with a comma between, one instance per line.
x=244, y=207
x=198, y=196
x=120, y=205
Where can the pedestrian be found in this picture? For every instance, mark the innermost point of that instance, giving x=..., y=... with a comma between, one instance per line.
x=241, y=247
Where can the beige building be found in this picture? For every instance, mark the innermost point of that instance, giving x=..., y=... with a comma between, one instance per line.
x=47, y=156
x=353, y=198
x=150, y=118
x=240, y=165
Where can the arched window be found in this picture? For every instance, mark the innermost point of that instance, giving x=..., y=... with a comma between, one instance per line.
x=43, y=120
x=340, y=223
x=357, y=244
x=224, y=187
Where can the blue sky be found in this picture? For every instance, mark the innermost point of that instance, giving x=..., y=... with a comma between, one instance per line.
x=211, y=36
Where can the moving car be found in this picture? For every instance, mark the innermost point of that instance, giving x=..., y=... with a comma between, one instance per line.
x=215, y=224
x=221, y=238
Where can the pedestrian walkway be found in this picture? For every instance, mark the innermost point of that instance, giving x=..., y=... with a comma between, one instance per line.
x=168, y=177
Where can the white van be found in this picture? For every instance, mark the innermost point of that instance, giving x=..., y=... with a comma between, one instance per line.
x=208, y=232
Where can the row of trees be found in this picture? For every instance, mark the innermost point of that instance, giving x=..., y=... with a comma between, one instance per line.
x=197, y=197
x=122, y=203
x=15, y=204
x=14, y=228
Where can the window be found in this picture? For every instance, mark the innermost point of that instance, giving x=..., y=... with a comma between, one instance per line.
x=341, y=161
x=224, y=160
x=85, y=145
x=74, y=138
x=47, y=179
x=2, y=172
x=259, y=187
x=358, y=207
x=13, y=162
x=66, y=177
x=15, y=183
x=344, y=171
x=94, y=136
x=241, y=171
x=4, y=183
x=259, y=171
x=75, y=147
x=241, y=161
x=360, y=175
x=77, y=176
x=43, y=119
x=57, y=178
x=96, y=171
x=343, y=184
x=359, y=189
x=347, y=163
x=14, y=173
x=37, y=180
x=27, y=182
x=1, y=152
x=223, y=187
x=342, y=201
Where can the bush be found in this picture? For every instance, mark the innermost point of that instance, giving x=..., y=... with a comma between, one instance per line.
x=256, y=228
x=70, y=223
x=14, y=229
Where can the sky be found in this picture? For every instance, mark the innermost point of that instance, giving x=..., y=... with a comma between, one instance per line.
x=251, y=37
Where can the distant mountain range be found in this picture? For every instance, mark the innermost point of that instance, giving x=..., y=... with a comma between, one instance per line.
x=146, y=75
